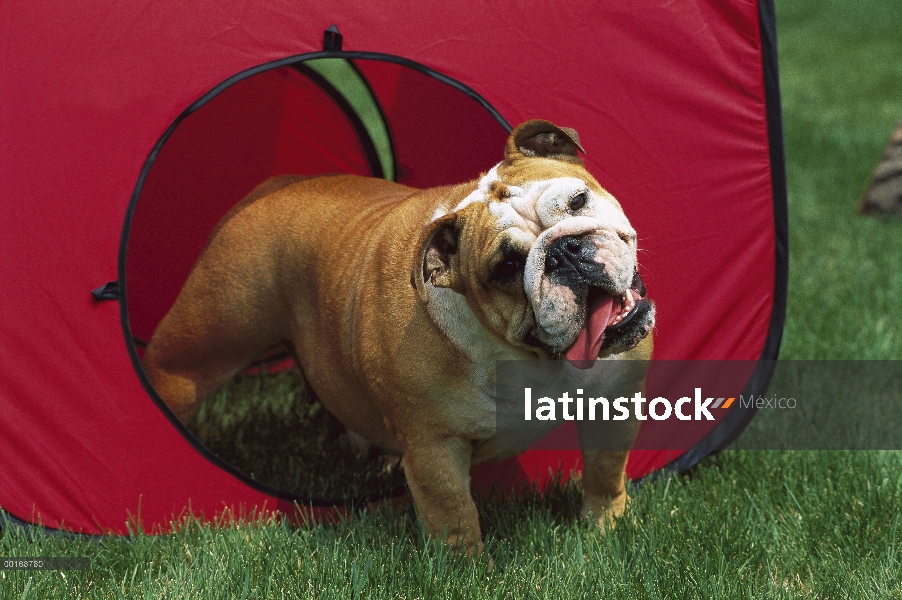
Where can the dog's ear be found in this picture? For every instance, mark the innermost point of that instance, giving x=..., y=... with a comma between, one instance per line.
x=437, y=259
x=545, y=139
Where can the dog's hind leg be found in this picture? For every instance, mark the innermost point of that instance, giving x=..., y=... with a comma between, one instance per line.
x=184, y=385
x=188, y=359
x=229, y=311
x=219, y=324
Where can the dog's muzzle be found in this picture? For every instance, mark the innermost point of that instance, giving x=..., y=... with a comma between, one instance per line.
x=570, y=261
x=611, y=318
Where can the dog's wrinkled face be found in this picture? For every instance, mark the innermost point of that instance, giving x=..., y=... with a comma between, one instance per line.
x=544, y=255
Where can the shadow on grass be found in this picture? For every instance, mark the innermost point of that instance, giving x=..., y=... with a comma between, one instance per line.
x=272, y=428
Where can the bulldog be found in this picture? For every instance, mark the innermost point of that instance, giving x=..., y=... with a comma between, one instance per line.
x=397, y=303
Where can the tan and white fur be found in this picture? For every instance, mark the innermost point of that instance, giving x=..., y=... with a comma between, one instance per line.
x=397, y=302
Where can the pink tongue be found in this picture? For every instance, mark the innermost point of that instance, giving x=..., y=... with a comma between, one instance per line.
x=585, y=349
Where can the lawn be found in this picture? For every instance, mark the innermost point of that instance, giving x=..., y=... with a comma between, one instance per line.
x=743, y=524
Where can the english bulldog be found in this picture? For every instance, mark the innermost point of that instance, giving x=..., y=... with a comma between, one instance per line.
x=397, y=303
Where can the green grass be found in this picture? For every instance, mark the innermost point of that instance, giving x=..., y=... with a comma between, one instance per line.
x=841, y=79
x=269, y=427
x=744, y=524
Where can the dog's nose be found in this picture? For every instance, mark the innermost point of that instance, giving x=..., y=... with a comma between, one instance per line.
x=569, y=250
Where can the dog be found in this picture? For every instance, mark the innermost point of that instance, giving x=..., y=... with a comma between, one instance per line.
x=397, y=303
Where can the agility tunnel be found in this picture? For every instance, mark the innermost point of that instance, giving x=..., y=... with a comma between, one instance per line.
x=128, y=130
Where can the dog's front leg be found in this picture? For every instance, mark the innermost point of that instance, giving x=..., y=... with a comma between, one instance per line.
x=604, y=488
x=438, y=474
x=605, y=449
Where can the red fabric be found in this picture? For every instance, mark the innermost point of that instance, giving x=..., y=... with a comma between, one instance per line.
x=667, y=98
x=441, y=136
x=274, y=123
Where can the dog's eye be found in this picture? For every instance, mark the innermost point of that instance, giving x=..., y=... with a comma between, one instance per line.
x=578, y=201
x=507, y=270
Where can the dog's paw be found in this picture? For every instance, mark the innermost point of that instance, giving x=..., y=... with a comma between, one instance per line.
x=478, y=553
x=603, y=511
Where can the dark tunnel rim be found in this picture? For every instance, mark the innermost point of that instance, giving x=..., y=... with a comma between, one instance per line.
x=292, y=61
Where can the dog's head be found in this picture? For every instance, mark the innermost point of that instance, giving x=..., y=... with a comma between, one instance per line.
x=543, y=254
